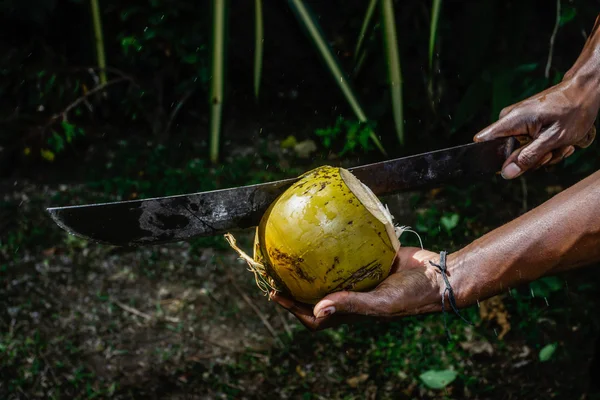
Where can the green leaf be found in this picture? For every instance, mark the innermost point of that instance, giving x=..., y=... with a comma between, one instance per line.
x=567, y=15
x=191, y=58
x=450, y=221
x=526, y=67
x=547, y=351
x=545, y=286
x=438, y=379
x=435, y=16
x=56, y=142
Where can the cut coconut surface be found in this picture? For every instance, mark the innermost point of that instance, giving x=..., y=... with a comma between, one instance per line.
x=327, y=232
x=372, y=203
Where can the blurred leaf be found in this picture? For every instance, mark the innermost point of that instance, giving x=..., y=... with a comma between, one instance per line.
x=435, y=16
x=544, y=287
x=259, y=39
x=526, y=67
x=450, y=221
x=547, y=352
x=47, y=155
x=363, y=30
x=567, y=15
x=436, y=379
x=191, y=58
x=392, y=54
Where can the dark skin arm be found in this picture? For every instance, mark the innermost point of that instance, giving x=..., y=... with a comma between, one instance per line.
x=558, y=119
x=561, y=234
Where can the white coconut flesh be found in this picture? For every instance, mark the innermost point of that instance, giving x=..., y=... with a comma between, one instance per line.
x=372, y=203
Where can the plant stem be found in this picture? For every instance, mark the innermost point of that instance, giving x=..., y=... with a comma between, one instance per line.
x=216, y=87
x=100, y=54
x=258, y=47
x=393, y=65
x=435, y=17
x=364, y=28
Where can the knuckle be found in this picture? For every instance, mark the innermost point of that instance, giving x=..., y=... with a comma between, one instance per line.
x=528, y=158
x=505, y=111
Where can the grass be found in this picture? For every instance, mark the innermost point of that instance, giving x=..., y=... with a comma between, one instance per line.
x=64, y=332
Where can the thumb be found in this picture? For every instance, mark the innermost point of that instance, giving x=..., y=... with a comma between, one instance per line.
x=364, y=303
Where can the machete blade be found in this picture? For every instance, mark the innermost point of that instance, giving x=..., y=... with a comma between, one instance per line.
x=182, y=217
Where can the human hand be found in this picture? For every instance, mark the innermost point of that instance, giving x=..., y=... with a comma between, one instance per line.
x=557, y=119
x=412, y=288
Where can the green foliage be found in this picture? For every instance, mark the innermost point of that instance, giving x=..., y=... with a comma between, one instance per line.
x=354, y=135
x=547, y=352
x=544, y=287
x=24, y=359
x=151, y=35
x=435, y=379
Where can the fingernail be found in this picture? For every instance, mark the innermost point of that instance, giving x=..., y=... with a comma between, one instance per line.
x=511, y=171
x=547, y=158
x=569, y=151
x=324, y=308
x=326, y=311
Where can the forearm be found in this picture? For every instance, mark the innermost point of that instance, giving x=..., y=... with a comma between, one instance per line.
x=585, y=72
x=588, y=62
x=561, y=234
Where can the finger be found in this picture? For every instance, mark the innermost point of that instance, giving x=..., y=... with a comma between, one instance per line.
x=545, y=160
x=506, y=110
x=291, y=305
x=364, y=303
x=589, y=138
x=529, y=156
x=304, y=314
x=513, y=124
x=301, y=311
x=560, y=154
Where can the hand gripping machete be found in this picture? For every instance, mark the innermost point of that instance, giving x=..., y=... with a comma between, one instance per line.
x=182, y=217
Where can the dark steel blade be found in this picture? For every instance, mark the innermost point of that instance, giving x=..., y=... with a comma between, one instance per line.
x=175, y=218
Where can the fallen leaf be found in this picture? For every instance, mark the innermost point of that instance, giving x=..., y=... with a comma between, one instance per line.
x=547, y=351
x=49, y=252
x=493, y=310
x=478, y=347
x=289, y=142
x=438, y=379
x=357, y=380
x=305, y=148
x=300, y=371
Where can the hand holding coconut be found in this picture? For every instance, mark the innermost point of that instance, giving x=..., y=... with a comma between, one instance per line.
x=557, y=119
x=561, y=234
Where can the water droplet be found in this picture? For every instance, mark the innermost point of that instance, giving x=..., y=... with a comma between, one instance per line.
x=546, y=300
x=478, y=305
x=495, y=332
x=341, y=79
x=145, y=29
x=532, y=295
x=163, y=16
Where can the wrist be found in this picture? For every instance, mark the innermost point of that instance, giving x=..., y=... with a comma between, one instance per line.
x=471, y=278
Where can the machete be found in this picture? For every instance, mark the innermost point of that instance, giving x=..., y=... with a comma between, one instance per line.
x=182, y=217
